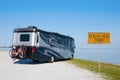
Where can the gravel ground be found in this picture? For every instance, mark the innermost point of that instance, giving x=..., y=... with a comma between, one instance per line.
x=27, y=70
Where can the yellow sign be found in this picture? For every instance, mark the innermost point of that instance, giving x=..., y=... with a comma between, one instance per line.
x=98, y=38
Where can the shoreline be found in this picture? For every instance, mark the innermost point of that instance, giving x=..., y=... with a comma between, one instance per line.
x=116, y=64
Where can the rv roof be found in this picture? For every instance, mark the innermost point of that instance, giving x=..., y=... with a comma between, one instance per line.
x=34, y=29
x=29, y=29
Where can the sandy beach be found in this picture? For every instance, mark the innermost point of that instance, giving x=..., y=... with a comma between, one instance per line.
x=28, y=70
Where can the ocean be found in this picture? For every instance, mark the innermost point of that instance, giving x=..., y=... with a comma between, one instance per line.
x=106, y=55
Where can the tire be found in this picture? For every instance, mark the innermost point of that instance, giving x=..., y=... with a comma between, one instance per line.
x=13, y=59
x=22, y=55
x=52, y=59
x=10, y=53
x=12, y=56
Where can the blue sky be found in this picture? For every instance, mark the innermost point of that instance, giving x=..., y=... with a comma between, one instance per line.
x=70, y=17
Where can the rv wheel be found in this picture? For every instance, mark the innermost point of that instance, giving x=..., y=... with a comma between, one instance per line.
x=52, y=59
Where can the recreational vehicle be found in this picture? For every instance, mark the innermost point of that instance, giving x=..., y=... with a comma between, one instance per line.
x=39, y=45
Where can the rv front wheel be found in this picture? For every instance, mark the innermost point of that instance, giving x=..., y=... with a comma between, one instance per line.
x=52, y=59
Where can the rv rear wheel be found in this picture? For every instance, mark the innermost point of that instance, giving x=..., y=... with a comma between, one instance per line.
x=52, y=59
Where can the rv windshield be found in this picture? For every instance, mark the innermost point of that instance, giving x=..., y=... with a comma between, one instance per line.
x=24, y=37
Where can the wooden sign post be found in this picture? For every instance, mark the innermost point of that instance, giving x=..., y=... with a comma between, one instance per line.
x=98, y=38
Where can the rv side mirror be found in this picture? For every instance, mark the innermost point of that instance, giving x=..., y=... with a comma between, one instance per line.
x=73, y=46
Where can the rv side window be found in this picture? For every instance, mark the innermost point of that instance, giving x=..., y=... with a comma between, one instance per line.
x=24, y=37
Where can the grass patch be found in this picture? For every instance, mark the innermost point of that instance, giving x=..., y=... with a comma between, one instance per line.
x=112, y=72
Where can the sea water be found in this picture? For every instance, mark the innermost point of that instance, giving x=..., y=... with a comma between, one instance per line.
x=106, y=55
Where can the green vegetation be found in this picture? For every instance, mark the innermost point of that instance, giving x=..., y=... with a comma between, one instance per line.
x=110, y=71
